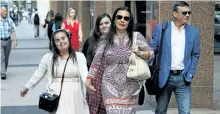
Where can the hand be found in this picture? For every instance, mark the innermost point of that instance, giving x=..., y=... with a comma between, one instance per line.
x=24, y=92
x=89, y=85
x=15, y=43
x=135, y=49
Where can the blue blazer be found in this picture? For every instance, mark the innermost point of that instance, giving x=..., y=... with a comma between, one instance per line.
x=191, y=54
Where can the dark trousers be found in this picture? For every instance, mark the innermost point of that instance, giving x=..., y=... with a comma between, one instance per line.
x=49, y=34
x=5, y=52
x=36, y=30
x=182, y=91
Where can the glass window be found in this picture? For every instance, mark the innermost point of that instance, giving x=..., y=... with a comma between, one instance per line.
x=151, y=18
x=217, y=28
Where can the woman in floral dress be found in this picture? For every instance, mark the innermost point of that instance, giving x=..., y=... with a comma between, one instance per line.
x=119, y=93
x=94, y=99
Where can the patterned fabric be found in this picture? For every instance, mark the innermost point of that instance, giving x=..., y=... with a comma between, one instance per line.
x=94, y=99
x=6, y=27
x=117, y=90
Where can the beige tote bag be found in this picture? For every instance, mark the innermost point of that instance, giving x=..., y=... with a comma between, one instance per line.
x=138, y=67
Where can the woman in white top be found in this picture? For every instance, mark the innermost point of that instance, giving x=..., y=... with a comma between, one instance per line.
x=73, y=95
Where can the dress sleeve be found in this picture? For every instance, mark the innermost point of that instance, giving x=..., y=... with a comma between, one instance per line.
x=143, y=45
x=99, y=54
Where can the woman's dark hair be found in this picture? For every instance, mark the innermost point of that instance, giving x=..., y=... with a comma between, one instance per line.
x=58, y=20
x=56, y=52
x=91, y=42
x=112, y=31
x=96, y=32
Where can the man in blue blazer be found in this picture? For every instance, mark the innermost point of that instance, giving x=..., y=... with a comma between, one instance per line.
x=180, y=56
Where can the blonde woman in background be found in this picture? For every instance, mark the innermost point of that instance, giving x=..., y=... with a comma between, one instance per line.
x=73, y=26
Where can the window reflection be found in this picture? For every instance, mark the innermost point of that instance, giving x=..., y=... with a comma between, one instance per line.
x=217, y=27
x=151, y=18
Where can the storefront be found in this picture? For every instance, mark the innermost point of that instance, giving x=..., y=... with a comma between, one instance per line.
x=89, y=10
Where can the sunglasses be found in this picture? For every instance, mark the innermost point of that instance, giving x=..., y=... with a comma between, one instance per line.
x=119, y=17
x=186, y=12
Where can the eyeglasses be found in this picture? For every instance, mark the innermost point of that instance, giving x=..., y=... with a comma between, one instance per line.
x=119, y=17
x=186, y=12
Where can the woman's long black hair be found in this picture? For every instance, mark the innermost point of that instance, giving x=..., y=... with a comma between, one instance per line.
x=91, y=42
x=58, y=20
x=112, y=31
x=56, y=52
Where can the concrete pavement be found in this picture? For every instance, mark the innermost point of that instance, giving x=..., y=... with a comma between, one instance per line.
x=24, y=61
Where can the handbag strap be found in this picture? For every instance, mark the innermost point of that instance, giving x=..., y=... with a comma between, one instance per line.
x=135, y=38
x=63, y=76
x=164, y=26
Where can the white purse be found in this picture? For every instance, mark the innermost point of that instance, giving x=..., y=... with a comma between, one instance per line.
x=138, y=67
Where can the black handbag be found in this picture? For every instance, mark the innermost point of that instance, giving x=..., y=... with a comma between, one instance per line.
x=153, y=82
x=49, y=102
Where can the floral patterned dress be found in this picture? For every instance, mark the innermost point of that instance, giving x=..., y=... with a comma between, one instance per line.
x=119, y=93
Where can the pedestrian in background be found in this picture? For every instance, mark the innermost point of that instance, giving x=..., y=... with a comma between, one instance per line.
x=36, y=24
x=73, y=26
x=7, y=29
x=49, y=21
x=57, y=21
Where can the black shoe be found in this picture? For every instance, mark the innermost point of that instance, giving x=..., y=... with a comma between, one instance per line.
x=3, y=76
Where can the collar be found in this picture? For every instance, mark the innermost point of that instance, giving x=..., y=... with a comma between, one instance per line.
x=3, y=19
x=175, y=27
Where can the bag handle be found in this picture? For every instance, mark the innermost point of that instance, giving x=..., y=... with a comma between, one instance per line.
x=135, y=38
x=63, y=76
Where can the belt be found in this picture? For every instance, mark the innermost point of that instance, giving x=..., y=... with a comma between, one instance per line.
x=5, y=39
x=176, y=72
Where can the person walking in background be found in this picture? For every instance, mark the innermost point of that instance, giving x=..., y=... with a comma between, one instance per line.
x=32, y=16
x=94, y=99
x=7, y=29
x=120, y=93
x=49, y=21
x=73, y=26
x=46, y=22
x=36, y=24
x=73, y=94
x=180, y=56
x=29, y=15
x=57, y=22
